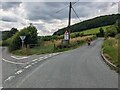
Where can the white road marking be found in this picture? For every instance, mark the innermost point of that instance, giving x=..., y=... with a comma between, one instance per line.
x=11, y=61
x=45, y=57
x=8, y=61
x=27, y=66
x=34, y=60
x=9, y=78
x=33, y=63
x=19, y=57
x=50, y=55
x=20, y=71
x=40, y=59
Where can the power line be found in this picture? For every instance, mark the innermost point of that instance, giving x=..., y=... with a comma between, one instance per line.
x=76, y=14
x=65, y=7
x=61, y=9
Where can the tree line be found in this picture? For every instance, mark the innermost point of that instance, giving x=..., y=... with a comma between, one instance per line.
x=91, y=23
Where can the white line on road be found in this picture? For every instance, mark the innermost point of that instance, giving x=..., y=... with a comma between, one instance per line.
x=34, y=60
x=9, y=78
x=27, y=66
x=11, y=61
x=20, y=71
x=19, y=57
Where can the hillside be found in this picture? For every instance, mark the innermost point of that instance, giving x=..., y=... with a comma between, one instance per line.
x=91, y=23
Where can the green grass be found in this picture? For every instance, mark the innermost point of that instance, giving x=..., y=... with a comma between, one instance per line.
x=49, y=48
x=94, y=30
x=35, y=50
x=43, y=50
x=110, y=50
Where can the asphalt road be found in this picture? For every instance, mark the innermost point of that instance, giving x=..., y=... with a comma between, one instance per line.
x=11, y=63
x=79, y=68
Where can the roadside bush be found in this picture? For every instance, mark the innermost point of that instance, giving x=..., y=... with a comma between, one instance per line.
x=6, y=42
x=15, y=42
x=81, y=34
x=111, y=31
x=101, y=33
x=31, y=38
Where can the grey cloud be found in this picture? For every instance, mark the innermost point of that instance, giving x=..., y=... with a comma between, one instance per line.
x=47, y=11
x=9, y=5
x=39, y=26
x=9, y=19
x=119, y=7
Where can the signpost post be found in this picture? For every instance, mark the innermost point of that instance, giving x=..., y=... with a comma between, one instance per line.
x=22, y=38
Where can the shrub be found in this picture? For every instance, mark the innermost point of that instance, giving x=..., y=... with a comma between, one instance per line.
x=111, y=31
x=31, y=38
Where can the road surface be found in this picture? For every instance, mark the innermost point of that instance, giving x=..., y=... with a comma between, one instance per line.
x=79, y=68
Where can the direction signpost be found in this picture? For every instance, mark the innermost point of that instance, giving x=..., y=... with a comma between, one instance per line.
x=22, y=38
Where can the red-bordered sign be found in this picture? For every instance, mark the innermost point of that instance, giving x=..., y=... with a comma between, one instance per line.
x=66, y=35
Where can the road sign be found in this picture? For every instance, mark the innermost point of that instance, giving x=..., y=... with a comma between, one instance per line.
x=66, y=35
x=22, y=37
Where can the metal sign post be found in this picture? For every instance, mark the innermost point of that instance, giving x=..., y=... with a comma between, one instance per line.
x=22, y=38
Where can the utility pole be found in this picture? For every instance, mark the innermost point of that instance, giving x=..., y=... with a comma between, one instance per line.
x=69, y=21
x=67, y=32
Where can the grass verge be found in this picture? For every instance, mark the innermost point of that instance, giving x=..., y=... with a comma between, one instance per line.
x=50, y=47
x=111, y=50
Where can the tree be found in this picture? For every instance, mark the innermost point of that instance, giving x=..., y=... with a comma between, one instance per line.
x=13, y=31
x=111, y=31
x=117, y=25
x=31, y=37
x=91, y=23
x=8, y=34
x=101, y=33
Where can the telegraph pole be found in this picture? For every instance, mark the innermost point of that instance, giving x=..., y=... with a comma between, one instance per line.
x=69, y=21
x=67, y=32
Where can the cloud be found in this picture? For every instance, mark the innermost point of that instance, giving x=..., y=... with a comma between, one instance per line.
x=9, y=19
x=50, y=16
x=9, y=5
x=47, y=11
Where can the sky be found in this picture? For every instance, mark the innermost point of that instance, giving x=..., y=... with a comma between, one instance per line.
x=48, y=17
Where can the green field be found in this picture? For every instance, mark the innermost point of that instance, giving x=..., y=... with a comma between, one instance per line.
x=94, y=30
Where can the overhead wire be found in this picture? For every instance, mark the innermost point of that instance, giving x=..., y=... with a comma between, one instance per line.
x=76, y=13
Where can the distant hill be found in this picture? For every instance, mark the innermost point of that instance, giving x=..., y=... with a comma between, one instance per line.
x=91, y=23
